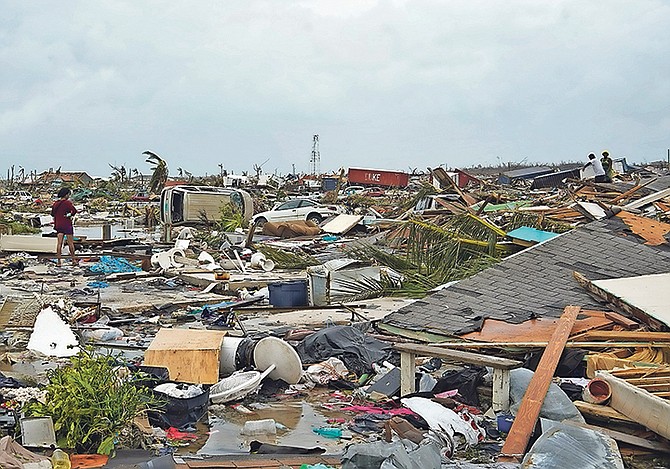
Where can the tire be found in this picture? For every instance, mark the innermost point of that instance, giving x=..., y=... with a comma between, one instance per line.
x=315, y=218
x=260, y=222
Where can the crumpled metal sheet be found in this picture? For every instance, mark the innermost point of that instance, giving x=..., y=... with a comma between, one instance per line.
x=565, y=445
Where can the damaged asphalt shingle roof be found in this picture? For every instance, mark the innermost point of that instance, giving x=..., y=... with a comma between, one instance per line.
x=537, y=281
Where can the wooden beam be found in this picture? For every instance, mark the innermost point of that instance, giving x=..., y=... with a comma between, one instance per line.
x=630, y=192
x=634, y=311
x=501, y=380
x=626, y=335
x=459, y=356
x=570, y=344
x=601, y=412
x=529, y=410
x=407, y=373
x=621, y=320
x=639, y=203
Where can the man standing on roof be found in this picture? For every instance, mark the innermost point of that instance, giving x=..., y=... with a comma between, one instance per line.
x=62, y=211
x=608, y=166
x=597, y=168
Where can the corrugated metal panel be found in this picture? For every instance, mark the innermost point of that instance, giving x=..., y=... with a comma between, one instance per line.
x=555, y=179
x=378, y=177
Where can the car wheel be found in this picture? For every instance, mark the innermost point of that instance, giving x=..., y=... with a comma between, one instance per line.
x=260, y=222
x=315, y=218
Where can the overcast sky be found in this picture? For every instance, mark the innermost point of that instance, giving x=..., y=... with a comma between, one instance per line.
x=386, y=84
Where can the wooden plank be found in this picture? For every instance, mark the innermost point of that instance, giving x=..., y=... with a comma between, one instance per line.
x=191, y=356
x=542, y=344
x=634, y=311
x=650, y=380
x=601, y=412
x=459, y=356
x=630, y=192
x=407, y=373
x=501, y=380
x=654, y=388
x=649, y=199
x=627, y=335
x=622, y=320
x=529, y=410
x=641, y=372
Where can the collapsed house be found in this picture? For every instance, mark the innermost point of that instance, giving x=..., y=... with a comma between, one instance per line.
x=537, y=282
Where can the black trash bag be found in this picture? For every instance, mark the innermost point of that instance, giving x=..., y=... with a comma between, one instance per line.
x=574, y=391
x=259, y=447
x=357, y=350
x=571, y=364
x=465, y=380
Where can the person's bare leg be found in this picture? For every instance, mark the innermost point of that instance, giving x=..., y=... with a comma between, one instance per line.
x=59, y=248
x=70, y=244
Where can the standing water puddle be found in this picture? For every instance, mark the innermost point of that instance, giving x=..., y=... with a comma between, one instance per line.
x=299, y=418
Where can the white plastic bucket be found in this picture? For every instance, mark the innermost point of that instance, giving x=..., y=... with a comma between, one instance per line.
x=229, y=347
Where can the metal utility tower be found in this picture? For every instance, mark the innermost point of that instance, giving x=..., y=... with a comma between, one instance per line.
x=315, y=159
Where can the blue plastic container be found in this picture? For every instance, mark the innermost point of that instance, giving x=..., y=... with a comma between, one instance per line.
x=288, y=294
x=505, y=422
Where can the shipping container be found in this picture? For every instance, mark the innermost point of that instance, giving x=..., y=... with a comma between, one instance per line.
x=378, y=177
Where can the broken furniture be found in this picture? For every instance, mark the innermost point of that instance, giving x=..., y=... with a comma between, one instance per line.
x=501, y=368
x=191, y=356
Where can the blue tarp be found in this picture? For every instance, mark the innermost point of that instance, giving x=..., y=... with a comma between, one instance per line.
x=111, y=265
x=526, y=233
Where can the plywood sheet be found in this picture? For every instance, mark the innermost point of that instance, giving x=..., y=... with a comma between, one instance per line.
x=191, y=356
x=534, y=330
x=648, y=293
x=653, y=232
x=341, y=224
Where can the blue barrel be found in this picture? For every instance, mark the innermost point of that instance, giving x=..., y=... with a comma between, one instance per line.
x=287, y=294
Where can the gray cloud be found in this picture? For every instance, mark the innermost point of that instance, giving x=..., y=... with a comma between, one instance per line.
x=391, y=84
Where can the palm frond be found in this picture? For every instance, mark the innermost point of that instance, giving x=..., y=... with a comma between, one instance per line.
x=284, y=259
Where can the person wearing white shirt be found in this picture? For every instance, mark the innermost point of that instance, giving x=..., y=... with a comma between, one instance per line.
x=597, y=168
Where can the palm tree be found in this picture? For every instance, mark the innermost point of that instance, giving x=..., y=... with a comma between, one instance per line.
x=119, y=173
x=160, y=172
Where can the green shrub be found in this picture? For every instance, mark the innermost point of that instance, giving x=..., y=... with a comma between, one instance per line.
x=91, y=402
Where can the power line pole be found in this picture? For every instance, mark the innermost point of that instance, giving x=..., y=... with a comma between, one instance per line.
x=315, y=159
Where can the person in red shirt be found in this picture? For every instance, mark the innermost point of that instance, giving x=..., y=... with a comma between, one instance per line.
x=62, y=211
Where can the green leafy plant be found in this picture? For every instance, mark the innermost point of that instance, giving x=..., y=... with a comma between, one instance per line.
x=231, y=218
x=91, y=402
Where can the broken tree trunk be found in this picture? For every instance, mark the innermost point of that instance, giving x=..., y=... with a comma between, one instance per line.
x=529, y=411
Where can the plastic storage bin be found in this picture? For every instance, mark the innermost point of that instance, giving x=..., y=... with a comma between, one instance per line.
x=178, y=412
x=288, y=294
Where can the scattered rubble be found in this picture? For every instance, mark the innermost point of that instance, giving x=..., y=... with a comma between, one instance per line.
x=451, y=319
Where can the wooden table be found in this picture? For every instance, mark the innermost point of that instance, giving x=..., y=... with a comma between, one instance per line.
x=501, y=368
